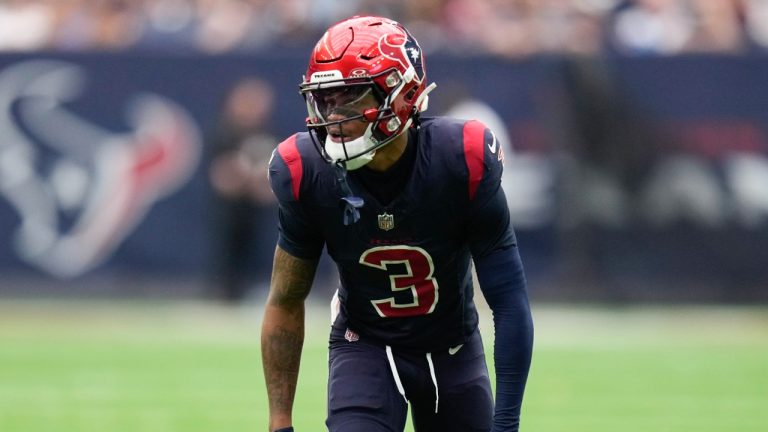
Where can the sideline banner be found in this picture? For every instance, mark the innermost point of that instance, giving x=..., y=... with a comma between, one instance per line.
x=628, y=168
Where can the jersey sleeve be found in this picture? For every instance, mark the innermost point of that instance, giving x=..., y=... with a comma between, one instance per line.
x=503, y=283
x=499, y=271
x=297, y=235
x=489, y=223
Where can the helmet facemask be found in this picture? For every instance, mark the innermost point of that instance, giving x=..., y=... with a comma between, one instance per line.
x=334, y=107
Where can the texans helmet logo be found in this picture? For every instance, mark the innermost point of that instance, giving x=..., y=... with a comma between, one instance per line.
x=405, y=50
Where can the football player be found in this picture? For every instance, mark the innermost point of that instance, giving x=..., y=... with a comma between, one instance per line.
x=403, y=204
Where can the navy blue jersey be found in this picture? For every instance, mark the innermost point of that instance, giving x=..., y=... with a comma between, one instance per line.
x=404, y=266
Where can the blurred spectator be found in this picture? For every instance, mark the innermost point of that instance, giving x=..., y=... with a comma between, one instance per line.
x=242, y=146
x=476, y=26
x=569, y=27
x=653, y=27
x=718, y=27
x=508, y=28
x=169, y=25
x=108, y=25
x=229, y=25
x=25, y=24
x=756, y=21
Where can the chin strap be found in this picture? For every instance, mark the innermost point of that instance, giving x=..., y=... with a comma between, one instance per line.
x=351, y=203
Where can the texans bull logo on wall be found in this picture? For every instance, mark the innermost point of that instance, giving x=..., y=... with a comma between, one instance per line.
x=80, y=189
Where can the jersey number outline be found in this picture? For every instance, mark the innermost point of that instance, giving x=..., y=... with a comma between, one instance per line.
x=418, y=278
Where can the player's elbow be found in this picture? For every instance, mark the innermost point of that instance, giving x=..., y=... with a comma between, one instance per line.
x=286, y=299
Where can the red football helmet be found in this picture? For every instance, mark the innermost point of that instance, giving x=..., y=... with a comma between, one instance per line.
x=354, y=58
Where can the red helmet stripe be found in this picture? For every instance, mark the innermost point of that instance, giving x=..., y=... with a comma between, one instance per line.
x=290, y=154
x=474, y=153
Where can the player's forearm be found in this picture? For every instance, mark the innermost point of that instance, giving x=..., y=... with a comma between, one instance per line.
x=512, y=358
x=503, y=282
x=282, y=334
x=282, y=338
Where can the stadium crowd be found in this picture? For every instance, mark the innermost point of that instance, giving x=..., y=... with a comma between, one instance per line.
x=508, y=28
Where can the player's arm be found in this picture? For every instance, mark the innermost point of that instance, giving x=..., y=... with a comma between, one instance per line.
x=282, y=333
x=502, y=281
x=299, y=246
x=503, y=284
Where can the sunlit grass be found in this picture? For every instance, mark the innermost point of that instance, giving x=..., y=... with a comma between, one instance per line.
x=191, y=366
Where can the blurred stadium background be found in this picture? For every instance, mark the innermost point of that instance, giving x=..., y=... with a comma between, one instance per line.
x=136, y=235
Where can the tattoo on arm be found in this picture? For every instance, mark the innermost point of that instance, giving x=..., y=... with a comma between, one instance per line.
x=282, y=352
x=291, y=279
x=282, y=334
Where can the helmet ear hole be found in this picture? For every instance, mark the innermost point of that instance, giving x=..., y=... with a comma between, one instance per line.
x=411, y=93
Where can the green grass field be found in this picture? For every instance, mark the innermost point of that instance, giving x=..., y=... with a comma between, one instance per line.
x=192, y=366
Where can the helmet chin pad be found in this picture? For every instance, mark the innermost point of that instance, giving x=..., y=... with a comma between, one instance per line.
x=360, y=151
x=354, y=153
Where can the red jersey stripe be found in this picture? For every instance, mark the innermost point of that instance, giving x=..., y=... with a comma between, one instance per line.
x=290, y=154
x=474, y=153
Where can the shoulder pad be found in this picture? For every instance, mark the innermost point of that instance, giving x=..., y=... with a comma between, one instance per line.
x=473, y=134
x=286, y=170
x=469, y=148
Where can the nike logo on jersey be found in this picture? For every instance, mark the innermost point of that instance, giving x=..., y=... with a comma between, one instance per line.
x=492, y=146
x=455, y=349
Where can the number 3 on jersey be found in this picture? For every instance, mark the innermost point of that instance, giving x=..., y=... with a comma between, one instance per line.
x=417, y=278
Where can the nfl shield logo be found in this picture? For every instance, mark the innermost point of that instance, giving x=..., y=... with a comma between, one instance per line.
x=386, y=221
